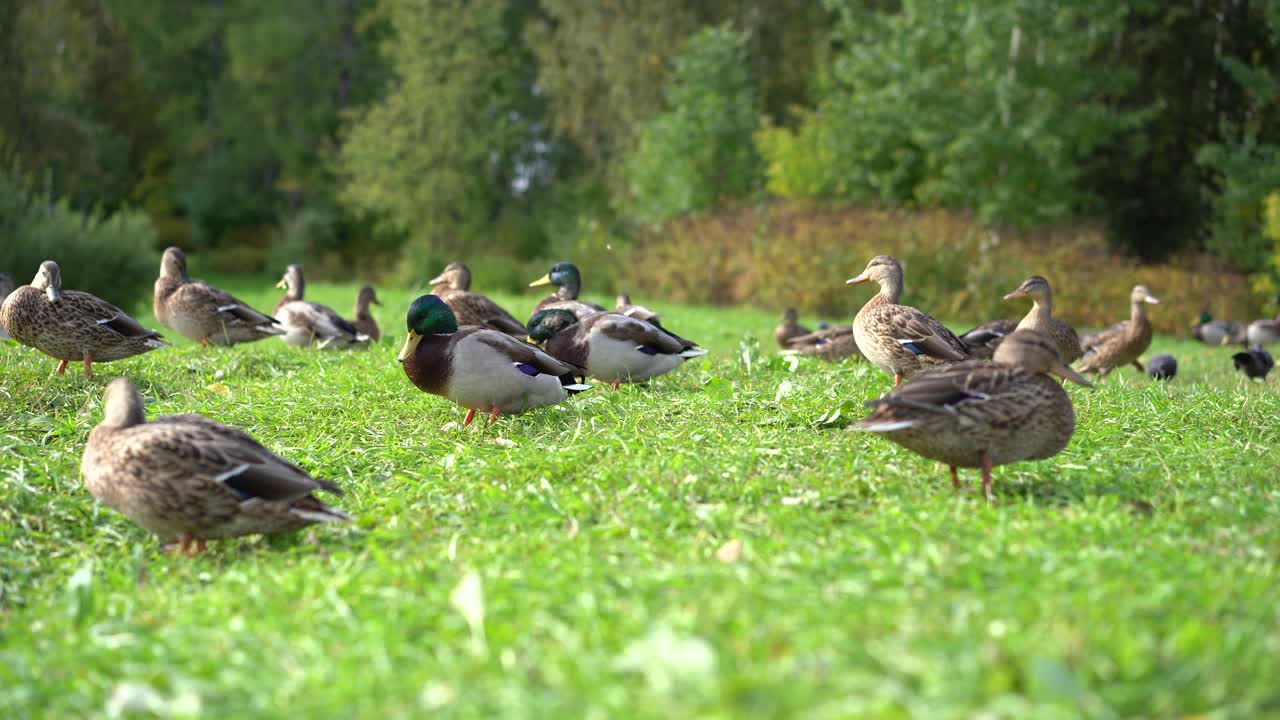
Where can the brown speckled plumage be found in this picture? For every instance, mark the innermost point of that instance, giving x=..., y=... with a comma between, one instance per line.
x=983, y=413
x=1123, y=343
x=363, y=320
x=203, y=313
x=7, y=285
x=900, y=339
x=454, y=287
x=983, y=340
x=186, y=477
x=1040, y=318
x=69, y=325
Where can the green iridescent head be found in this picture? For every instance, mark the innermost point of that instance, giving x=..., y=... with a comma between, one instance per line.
x=428, y=315
x=562, y=274
x=546, y=323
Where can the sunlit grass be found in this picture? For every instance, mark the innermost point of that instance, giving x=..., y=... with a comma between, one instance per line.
x=1133, y=575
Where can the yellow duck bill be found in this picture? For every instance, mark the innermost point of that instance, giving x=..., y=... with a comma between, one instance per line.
x=410, y=345
x=544, y=280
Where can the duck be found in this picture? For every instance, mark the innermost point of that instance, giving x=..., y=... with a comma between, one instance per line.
x=1218, y=332
x=363, y=319
x=69, y=325
x=832, y=344
x=568, y=282
x=623, y=304
x=1123, y=343
x=611, y=346
x=7, y=285
x=201, y=312
x=982, y=340
x=1040, y=318
x=307, y=323
x=900, y=339
x=189, y=479
x=480, y=369
x=454, y=287
x=1264, y=332
x=983, y=413
x=789, y=327
x=1162, y=367
x=1255, y=362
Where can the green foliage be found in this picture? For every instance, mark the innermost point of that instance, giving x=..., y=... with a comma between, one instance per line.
x=800, y=163
x=587, y=539
x=699, y=150
x=436, y=157
x=111, y=255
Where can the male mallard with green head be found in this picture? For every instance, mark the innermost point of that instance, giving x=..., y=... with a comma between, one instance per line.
x=900, y=339
x=309, y=323
x=190, y=479
x=983, y=413
x=568, y=282
x=69, y=325
x=1123, y=343
x=454, y=287
x=611, y=346
x=1040, y=318
x=196, y=310
x=480, y=369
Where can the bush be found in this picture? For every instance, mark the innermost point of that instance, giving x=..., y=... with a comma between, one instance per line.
x=790, y=254
x=112, y=256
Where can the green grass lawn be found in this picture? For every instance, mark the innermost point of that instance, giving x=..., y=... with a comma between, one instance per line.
x=1134, y=575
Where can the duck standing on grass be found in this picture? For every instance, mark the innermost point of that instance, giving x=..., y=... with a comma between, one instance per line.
x=1123, y=343
x=1040, y=318
x=71, y=325
x=454, y=287
x=568, y=282
x=363, y=319
x=899, y=339
x=789, y=327
x=195, y=310
x=308, y=323
x=611, y=346
x=981, y=413
x=480, y=369
x=189, y=479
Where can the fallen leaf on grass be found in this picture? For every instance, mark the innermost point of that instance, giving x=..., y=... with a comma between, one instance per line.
x=730, y=551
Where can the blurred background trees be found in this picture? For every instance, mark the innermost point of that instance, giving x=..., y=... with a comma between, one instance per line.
x=381, y=134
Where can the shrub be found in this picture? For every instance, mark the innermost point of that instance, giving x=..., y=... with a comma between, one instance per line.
x=791, y=254
x=112, y=256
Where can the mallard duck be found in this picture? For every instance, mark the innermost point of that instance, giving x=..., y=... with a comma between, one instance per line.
x=1162, y=367
x=790, y=327
x=364, y=322
x=1218, y=332
x=454, y=287
x=6, y=286
x=1255, y=362
x=983, y=413
x=1123, y=343
x=307, y=323
x=611, y=346
x=69, y=325
x=478, y=368
x=189, y=479
x=568, y=282
x=1040, y=318
x=831, y=344
x=623, y=304
x=198, y=311
x=1264, y=332
x=900, y=339
x=982, y=340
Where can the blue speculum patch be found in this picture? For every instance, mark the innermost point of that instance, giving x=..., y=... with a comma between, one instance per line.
x=648, y=350
x=527, y=369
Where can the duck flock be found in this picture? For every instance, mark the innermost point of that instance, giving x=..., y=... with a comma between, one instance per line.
x=977, y=400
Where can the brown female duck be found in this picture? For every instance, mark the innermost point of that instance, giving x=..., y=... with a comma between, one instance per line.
x=454, y=287
x=831, y=344
x=1040, y=318
x=1123, y=343
x=7, y=285
x=194, y=309
x=790, y=327
x=900, y=339
x=364, y=322
x=983, y=340
x=69, y=325
x=983, y=413
x=189, y=479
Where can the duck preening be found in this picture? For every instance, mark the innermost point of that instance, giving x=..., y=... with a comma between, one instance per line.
x=611, y=346
x=309, y=323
